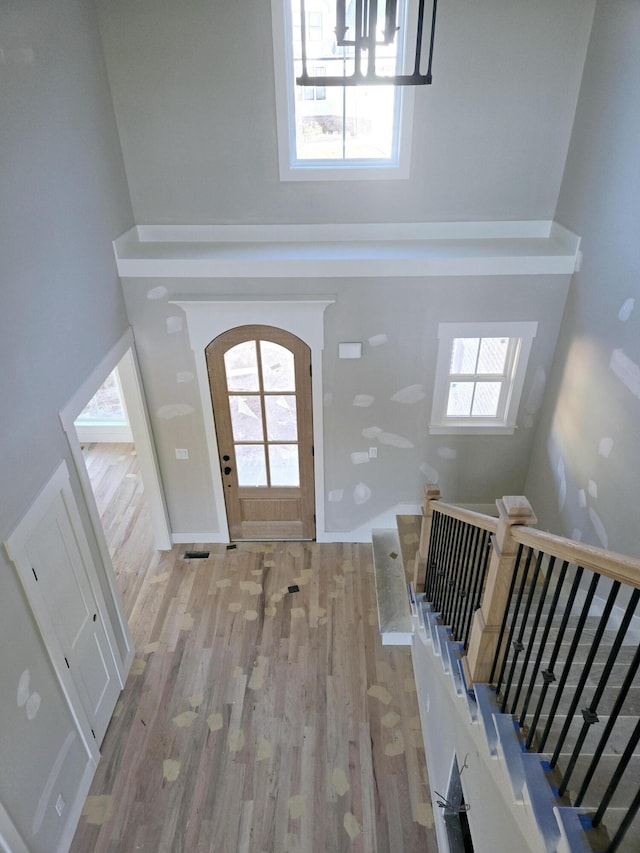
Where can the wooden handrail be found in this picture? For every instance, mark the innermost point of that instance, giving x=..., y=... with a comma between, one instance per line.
x=470, y=516
x=616, y=566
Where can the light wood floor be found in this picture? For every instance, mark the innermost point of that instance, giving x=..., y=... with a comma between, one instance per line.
x=255, y=718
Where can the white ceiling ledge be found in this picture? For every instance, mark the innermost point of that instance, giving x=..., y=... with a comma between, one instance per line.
x=342, y=251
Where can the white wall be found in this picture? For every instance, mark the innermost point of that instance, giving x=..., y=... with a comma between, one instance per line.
x=193, y=88
x=583, y=478
x=63, y=198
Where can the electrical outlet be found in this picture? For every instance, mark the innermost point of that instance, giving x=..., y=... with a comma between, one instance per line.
x=60, y=804
x=373, y=453
x=182, y=453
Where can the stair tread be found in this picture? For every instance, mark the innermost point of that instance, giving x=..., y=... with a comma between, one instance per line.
x=394, y=613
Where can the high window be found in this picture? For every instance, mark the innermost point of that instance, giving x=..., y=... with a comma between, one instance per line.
x=336, y=132
x=479, y=376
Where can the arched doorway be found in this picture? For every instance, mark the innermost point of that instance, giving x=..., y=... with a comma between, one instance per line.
x=260, y=383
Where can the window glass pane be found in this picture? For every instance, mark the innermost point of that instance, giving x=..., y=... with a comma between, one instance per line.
x=241, y=367
x=459, y=402
x=493, y=355
x=283, y=463
x=281, y=418
x=464, y=355
x=251, y=465
x=278, y=372
x=246, y=418
x=486, y=399
x=105, y=405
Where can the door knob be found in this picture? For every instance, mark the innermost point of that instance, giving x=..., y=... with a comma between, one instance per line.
x=226, y=458
x=227, y=470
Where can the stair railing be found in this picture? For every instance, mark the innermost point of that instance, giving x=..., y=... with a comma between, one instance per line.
x=542, y=607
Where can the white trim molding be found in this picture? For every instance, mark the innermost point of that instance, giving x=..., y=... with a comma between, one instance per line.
x=209, y=317
x=375, y=250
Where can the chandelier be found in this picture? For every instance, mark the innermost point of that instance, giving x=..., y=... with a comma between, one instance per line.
x=368, y=40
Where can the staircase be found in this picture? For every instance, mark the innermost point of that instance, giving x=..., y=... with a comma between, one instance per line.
x=514, y=718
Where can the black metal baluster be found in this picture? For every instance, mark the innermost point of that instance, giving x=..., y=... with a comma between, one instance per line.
x=590, y=714
x=586, y=669
x=543, y=640
x=548, y=674
x=441, y=563
x=616, y=841
x=455, y=573
x=617, y=776
x=431, y=556
x=505, y=620
x=463, y=581
x=478, y=584
x=517, y=646
x=474, y=568
x=613, y=717
x=452, y=556
x=569, y=659
x=534, y=627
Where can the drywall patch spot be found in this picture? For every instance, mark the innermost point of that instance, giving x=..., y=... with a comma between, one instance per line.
x=297, y=806
x=390, y=720
x=196, y=700
x=138, y=666
x=251, y=587
x=98, y=810
x=159, y=292
x=536, y=394
x=234, y=607
x=626, y=309
x=599, y=528
x=606, y=446
x=447, y=453
x=410, y=395
x=23, y=688
x=396, y=747
x=223, y=583
x=363, y=400
x=297, y=612
x=161, y=578
x=377, y=340
x=626, y=370
x=33, y=705
x=361, y=494
x=430, y=473
x=582, y=498
x=394, y=440
x=359, y=457
x=174, y=324
x=339, y=781
x=351, y=826
x=186, y=623
x=150, y=648
x=170, y=769
x=593, y=489
x=174, y=410
x=184, y=376
x=250, y=615
x=371, y=432
x=335, y=496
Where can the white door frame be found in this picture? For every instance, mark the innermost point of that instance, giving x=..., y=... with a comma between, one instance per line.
x=208, y=317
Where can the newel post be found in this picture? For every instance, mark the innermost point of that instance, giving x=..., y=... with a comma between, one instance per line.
x=512, y=510
x=431, y=493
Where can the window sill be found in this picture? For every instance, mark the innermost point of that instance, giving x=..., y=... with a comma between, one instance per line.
x=470, y=429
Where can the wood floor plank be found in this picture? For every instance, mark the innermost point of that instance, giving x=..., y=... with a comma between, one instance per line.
x=257, y=717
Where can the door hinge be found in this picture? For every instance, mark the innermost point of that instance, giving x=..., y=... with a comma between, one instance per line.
x=93, y=733
x=310, y=370
x=34, y=573
x=313, y=450
x=67, y=663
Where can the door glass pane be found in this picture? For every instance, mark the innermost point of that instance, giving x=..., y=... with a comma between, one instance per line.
x=246, y=418
x=283, y=463
x=251, y=465
x=485, y=401
x=278, y=373
x=464, y=355
x=241, y=367
x=281, y=418
x=459, y=402
x=493, y=354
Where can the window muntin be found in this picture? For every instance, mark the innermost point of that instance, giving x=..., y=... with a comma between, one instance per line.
x=479, y=376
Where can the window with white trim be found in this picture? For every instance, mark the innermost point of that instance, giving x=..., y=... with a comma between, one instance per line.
x=333, y=132
x=479, y=376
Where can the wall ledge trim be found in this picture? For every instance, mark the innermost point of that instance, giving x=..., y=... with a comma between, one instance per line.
x=377, y=250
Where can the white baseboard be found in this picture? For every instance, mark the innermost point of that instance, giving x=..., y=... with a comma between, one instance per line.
x=75, y=808
x=104, y=434
x=199, y=537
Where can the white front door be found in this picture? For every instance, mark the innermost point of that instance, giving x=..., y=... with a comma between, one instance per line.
x=54, y=562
